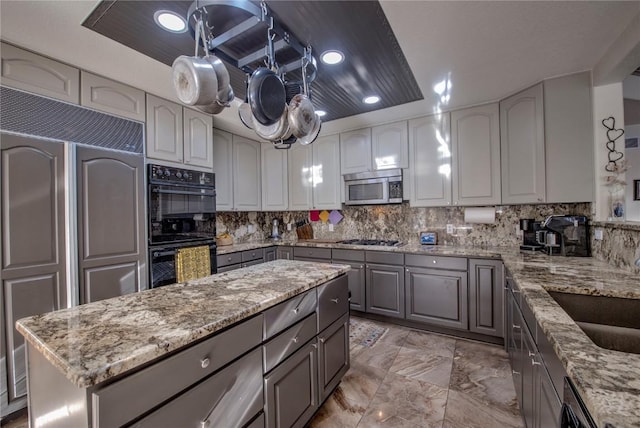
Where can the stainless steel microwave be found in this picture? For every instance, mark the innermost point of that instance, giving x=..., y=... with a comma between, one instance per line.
x=373, y=188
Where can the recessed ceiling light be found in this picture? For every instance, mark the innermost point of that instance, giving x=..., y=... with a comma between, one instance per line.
x=332, y=57
x=371, y=99
x=321, y=113
x=170, y=21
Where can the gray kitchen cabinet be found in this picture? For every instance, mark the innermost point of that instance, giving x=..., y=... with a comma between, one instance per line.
x=486, y=309
x=275, y=179
x=246, y=174
x=165, y=137
x=568, y=127
x=522, y=147
x=429, y=161
x=223, y=168
x=475, y=143
x=437, y=296
x=291, y=389
x=269, y=254
x=30, y=72
x=528, y=408
x=356, y=276
x=110, y=198
x=355, y=151
x=548, y=405
x=312, y=254
x=333, y=355
x=197, y=138
x=112, y=97
x=284, y=252
x=513, y=342
x=33, y=272
x=240, y=259
x=390, y=146
x=385, y=290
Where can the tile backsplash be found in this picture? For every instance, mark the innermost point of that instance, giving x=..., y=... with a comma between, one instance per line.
x=400, y=222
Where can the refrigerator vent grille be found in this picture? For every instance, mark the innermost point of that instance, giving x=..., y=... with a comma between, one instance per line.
x=25, y=113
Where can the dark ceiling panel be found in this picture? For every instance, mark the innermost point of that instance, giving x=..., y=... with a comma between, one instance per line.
x=374, y=61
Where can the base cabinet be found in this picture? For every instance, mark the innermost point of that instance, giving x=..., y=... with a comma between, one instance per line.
x=486, y=310
x=291, y=389
x=333, y=356
x=385, y=290
x=284, y=253
x=357, y=274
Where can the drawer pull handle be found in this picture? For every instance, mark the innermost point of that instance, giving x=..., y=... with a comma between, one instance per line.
x=336, y=300
x=315, y=345
x=535, y=363
x=517, y=327
x=204, y=363
x=515, y=373
x=321, y=339
x=295, y=339
x=532, y=354
x=434, y=262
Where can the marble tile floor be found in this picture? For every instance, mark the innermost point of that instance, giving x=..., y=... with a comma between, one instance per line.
x=415, y=379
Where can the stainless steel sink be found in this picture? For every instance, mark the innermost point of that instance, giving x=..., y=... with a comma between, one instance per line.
x=611, y=322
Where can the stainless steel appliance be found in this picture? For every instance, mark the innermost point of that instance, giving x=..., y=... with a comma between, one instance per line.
x=565, y=235
x=379, y=242
x=574, y=413
x=529, y=228
x=373, y=188
x=182, y=210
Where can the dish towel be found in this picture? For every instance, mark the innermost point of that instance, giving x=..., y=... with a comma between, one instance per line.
x=192, y=263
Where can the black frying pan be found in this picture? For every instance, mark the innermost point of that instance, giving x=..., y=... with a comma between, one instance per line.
x=267, y=96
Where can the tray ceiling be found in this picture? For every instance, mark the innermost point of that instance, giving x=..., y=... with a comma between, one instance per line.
x=374, y=64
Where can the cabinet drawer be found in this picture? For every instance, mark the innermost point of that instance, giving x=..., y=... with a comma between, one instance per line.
x=436, y=262
x=288, y=313
x=229, y=259
x=349, y=255
x=314, y=253
x=333, y=301
x=285, y=344
x=384, y=258
x=250, y=255
x=229, y=398
x=124, y=400
x=228, y=268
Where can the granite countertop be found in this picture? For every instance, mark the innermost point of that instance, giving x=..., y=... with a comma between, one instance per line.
x=608, y=381
x=94, y=342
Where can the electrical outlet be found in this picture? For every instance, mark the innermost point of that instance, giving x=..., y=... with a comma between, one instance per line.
x=330, y=227
x=597, y=234
x=518, y=232
x=449, y=229
x=250, y=228
x=289, y=227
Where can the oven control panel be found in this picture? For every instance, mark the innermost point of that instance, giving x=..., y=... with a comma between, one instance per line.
x=167, y=174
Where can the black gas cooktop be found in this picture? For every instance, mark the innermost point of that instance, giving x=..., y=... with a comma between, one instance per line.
x=379, y=242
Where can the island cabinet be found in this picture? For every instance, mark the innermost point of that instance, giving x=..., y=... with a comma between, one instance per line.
x=240, y=259
x=284, y=252
x=311, y=254
x=385, y=280
x=437, y=290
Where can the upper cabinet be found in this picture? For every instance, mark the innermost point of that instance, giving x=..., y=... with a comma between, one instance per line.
x=178, y=134
x=369, y=149
x=475, y=142
x=275, y=180
x=429, y=161
x=355, y=151
x=522, y=147
x=246, y=174
x=111, y=97
x=314, y=176
x=568, y=126
x=389, y=147
x=34, y=73
x=222, y=167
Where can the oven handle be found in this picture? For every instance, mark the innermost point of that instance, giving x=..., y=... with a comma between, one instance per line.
x=163, y=253
x=184, y=192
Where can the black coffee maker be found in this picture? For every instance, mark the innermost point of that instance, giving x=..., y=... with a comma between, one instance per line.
x=566, y=235
x=529, y=228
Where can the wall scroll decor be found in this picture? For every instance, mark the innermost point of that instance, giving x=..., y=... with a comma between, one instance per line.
x=612, y=135
x=616, y=166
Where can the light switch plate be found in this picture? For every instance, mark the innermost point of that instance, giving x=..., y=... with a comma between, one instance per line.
x=250, y=228
x=289, y=226
x=449, y=228
x=330, y=227
x=597, y=234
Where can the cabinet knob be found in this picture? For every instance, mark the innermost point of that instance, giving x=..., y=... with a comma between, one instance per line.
x=321, y=339
x=295, y=310
x=435, y=261
x=204, y=363
x=336, y=300
x=407, y=269
x=295, y=339
x=539, y=199
x=228, y=259
x=361, y=266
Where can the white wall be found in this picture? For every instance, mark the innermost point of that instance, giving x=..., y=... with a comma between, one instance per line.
x=631, y=87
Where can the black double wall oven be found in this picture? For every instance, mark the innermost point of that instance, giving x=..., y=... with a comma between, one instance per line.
x=182, y=213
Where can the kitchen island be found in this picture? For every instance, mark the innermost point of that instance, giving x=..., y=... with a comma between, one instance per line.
x=110, y=362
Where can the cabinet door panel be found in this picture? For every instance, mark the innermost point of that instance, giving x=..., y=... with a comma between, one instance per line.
x=300, y=178
x=356, y=278
x=246, y=174
x=355, y=151
x=275, y=180
x=437, y=297
x=333, y=355
x=389, y=146
x=112, y=97
x=475, y=138
x=485, y=297
x=34, y=73
x=522, y=147
x=548, y=405
x=385, y=290
x=430, y=161
x=222, y=168
x=198, y=139
x=326, y=173
x=164, y=129
x=110, y=221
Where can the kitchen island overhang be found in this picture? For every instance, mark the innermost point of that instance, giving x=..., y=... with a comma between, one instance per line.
x=90, y=347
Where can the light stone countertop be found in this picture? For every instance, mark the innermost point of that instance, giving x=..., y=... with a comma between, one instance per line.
x=608, y=381
x=94, y=342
